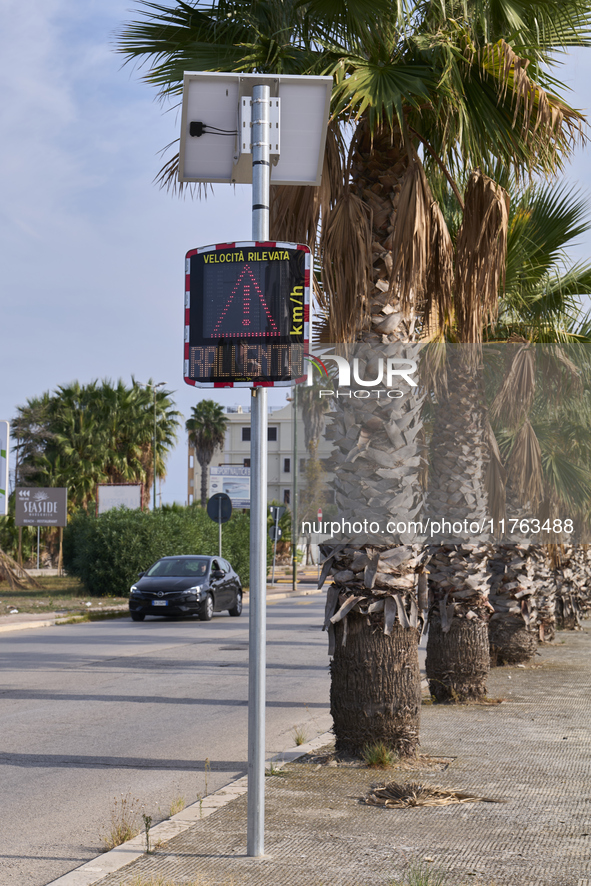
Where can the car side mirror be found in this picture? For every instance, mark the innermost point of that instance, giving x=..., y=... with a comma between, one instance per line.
x=140, y=574
x=217, y=573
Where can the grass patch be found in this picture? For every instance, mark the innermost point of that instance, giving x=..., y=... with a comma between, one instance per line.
x=177, y=805
x=378, y=756
x=57, y=594
x=299, y=735
x=94, y=616
x=124, y=822
x=273, y=770
x=486, y=700
x=421, y=873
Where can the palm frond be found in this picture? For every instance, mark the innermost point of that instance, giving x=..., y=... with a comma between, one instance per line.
x=495, y=479
x=515, y=397
x=345, y=245
x=525, y=467
x=480, y=256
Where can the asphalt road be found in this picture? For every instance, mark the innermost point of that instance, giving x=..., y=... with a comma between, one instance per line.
x=93, y=712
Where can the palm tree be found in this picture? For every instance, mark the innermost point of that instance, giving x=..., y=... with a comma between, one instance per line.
x=206, y=427
x=137, y=428
x=540, y=311
x=408, y=77
x=84, y=435
x=541, y=302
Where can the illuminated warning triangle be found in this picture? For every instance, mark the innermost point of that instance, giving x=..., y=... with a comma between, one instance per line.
x=246, y=312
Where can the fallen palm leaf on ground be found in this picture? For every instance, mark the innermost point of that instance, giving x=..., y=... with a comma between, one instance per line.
x=415, y=794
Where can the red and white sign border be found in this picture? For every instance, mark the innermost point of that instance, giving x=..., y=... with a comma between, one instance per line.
x=269, y=244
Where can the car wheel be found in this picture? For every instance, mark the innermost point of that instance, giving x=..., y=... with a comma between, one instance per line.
x=206, y=611
x=236, y=610
x=137, y=616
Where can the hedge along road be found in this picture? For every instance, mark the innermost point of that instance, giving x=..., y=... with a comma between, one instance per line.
x=93, y=711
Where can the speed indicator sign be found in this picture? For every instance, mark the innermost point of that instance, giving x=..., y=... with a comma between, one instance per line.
x=247, y=314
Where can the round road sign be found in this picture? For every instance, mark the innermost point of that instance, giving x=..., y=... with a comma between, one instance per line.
x=219, y=507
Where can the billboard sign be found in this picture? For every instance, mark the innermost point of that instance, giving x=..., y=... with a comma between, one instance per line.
x=4, y=452
x=118, y=495
x=234, y=481
x=247, y=314
x=36, y=506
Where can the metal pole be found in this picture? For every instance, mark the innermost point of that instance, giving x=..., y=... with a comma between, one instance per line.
x=255, y=842
x=220, y=526
x=275, y=544
x=38, y=547
x=154, y=389
x=294, y=509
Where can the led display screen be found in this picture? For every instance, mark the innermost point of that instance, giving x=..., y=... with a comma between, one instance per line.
x=246, y=313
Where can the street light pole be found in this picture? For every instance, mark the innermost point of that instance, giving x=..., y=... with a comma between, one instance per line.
x=255, y=840
x=154, y=449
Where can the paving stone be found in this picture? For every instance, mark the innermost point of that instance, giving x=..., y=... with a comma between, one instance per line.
x=532, y=751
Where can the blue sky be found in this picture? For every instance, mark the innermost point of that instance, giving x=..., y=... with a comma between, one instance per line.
x=92, y=254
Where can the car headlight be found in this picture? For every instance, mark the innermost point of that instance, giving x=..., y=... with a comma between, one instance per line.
x=134, y=590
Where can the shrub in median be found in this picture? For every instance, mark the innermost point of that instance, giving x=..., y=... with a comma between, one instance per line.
x=107, y=552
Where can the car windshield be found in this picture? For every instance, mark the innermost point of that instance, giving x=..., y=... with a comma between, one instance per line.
x=180, y=567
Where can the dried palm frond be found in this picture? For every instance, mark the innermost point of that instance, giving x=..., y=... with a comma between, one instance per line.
x=167, y=177
x=546, y=120
x=296, y=211
x=14, y=574
x=439, y=301
x=411, y=238
x=335, y=168
x=495, y=479
x=394, y=795
x=433, y=368
x=516, y=395
x=346, y=259
x=480, y=256
x=525, y=466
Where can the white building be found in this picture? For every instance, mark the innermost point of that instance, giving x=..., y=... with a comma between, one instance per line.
x=236, y=451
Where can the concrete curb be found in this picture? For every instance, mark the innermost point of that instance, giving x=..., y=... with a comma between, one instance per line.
x=26, y=625
x=50, y=622
x=100, y=867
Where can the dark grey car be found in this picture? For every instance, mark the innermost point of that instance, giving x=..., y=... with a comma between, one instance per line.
x=186, y=585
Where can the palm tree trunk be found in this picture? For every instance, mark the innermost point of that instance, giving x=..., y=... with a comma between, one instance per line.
x=514, y=625
x=570, y=583
x=375, y=687
x=458, y=658
x=204, y=472
x=375, y=690
x=539, y=569
x=373, y=620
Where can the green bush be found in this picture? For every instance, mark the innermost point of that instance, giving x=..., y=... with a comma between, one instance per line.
x=107, y=552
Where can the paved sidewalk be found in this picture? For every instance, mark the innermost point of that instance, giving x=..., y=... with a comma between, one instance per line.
x=533, y=752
